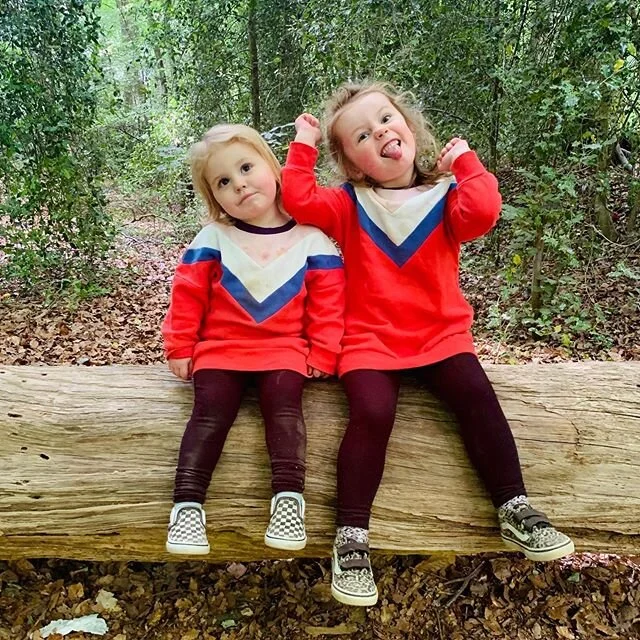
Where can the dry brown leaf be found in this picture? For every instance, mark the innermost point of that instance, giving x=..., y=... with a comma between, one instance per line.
x=565, y=632
x=340, y=629
x=106, y=601
x=436, y=562
x=75, y=592
x=236, y=569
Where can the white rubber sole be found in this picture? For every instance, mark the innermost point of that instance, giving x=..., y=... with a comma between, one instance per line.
x=187, y=549
x=286, y=545
x=354, y=601
x=543, y=556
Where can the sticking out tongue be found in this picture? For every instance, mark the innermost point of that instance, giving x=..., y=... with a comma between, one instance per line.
x=392, y=150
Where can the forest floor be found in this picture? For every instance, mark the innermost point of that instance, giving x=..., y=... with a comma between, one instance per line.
x=441, y=597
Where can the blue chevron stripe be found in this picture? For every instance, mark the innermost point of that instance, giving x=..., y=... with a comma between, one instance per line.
x=324, y=262
x=400, y=253
x=260, y=311
x=201, y=254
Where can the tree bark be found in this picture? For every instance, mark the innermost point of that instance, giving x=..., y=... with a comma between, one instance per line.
x=496, y=91
x=255, y=68
x=536, y=276
x=603, y=215
x=634, y=204
x=88, y=456
x=133, y=95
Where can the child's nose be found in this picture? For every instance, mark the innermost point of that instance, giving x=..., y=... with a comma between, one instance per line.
x=381, y=131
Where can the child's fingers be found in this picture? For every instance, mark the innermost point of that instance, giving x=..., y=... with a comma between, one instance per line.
x=312, y=372
x=312, y=120
x=306, y=119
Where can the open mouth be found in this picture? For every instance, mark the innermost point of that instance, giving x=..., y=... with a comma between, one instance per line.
x=391, y=150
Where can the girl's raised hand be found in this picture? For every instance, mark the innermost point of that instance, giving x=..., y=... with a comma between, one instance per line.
x=308, y=129
x=454, y=148
x=181, y=367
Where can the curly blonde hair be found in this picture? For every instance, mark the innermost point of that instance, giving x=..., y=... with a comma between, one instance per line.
x=426, y=145
x=214, y=141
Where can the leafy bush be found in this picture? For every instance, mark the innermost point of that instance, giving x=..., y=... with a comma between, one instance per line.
x=52, y=217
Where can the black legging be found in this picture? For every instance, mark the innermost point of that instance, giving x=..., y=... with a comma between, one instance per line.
x=460, y=383
x=217, y=397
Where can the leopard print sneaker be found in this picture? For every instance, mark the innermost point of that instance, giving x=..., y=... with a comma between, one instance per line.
x=352, y=580
x=525, y=529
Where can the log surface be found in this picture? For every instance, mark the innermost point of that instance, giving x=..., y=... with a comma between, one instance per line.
x=87, y=460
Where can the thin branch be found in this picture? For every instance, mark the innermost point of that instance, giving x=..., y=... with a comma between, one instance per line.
x=615, y=244
x=624, y=161
x=465, y=583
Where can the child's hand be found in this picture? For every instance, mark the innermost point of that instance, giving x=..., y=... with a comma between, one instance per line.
x=181, y=367
x=454, y=148
x=308, y=129
x=312, y=372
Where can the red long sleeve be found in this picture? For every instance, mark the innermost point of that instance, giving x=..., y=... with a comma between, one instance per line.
x=188, y=306
x=324, y=317
x=308, y=202
x=404, y=306
x=229, y=310
x=473, y=207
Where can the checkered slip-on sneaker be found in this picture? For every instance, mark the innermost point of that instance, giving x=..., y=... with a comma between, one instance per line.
x=187, y=529
x=286, y=525
x=352, y=580
x=525, y=529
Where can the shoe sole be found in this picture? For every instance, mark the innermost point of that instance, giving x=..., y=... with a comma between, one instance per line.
x=187, y=549
x=286, y=545
x=542, y=556
x=353, y=601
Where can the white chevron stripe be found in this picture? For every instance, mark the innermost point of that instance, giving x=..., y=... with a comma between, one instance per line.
x=263, y=280
x=401, y=223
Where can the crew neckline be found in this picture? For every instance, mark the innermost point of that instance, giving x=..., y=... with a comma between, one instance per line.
x=252, y=228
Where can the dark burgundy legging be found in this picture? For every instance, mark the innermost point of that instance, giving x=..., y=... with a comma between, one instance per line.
x=217, y=397
x=461, y=384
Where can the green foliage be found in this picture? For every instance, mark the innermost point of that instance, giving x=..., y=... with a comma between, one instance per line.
x=51, y=209
x=542, y=87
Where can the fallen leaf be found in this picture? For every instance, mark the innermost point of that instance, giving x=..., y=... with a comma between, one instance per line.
x=340, y=629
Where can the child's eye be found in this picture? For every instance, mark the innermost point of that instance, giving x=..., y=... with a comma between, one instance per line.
x=363, y=136
x=223, y=182
x=386, y=118
x=246, y=167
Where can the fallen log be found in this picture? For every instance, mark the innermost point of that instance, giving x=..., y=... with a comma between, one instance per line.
x=88, y=456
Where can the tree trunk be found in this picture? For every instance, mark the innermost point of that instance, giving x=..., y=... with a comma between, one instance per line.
x=133, y=96
x=603, y=215
x=88, y=457
x=634, y=204
x=536, y=276
x=495, y=94
x=255, y=69
x=160, y=76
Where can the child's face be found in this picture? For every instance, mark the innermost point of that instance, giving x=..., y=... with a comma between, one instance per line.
x=377, y=141
x=243, y=183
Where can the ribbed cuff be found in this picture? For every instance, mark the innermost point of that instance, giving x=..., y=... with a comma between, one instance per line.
x=301, y=155
x=467, y=165
x=322, y=359
x=182, y=352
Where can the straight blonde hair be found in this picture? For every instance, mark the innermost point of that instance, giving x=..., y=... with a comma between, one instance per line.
x=427, y=147
x=214, y=141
